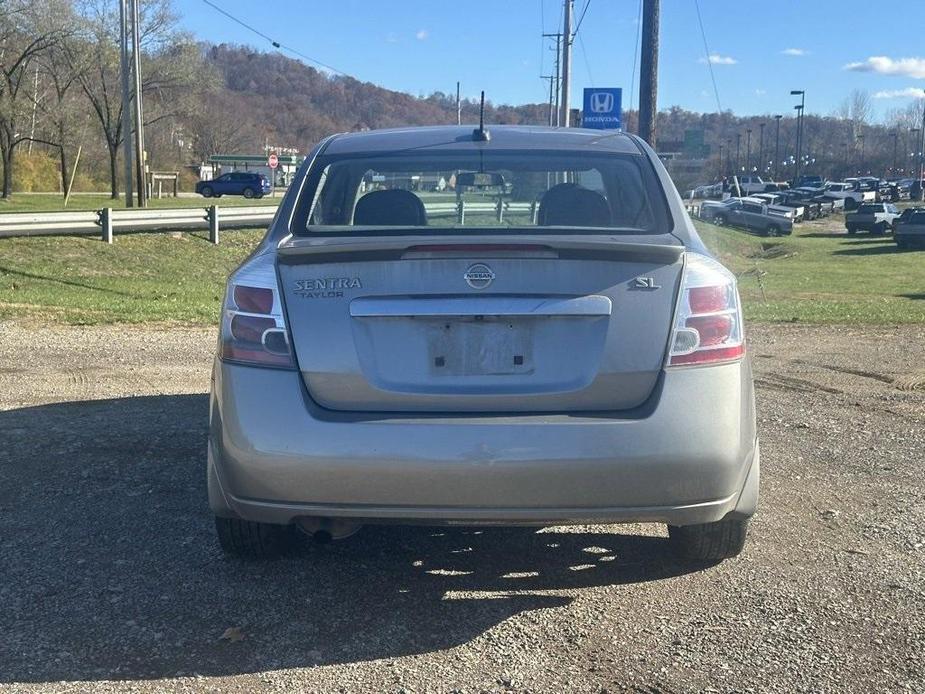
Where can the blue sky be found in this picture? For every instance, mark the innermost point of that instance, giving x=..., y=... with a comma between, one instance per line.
x=759, y=54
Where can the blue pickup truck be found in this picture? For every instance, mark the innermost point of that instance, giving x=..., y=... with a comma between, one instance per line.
x=250, y=185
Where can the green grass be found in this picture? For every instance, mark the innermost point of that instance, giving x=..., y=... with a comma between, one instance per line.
x=814, y=276
x=176, y=278
x=817, y=276
x=50, y=202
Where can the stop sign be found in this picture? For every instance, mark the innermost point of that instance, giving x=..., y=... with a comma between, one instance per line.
x=272, y=161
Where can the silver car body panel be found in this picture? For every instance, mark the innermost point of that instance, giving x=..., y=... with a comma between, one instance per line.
x=688, y=455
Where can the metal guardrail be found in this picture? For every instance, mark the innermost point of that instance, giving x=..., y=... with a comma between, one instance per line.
x=108, y=221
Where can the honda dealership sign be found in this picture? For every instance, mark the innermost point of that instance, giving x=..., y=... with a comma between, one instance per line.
x=603, y=108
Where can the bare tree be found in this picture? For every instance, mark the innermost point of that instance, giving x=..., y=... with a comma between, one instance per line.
x=167, y=67
x=28, y=28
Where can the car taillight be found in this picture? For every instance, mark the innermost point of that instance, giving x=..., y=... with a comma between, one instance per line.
x=253, y=329
x=708, y=325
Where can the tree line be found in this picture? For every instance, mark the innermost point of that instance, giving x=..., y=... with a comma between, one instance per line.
x=60, y=95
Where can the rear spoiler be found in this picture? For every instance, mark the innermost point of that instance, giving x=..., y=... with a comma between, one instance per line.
x=659, y=248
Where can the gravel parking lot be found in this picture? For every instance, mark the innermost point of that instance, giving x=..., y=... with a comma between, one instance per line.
x=111, y=578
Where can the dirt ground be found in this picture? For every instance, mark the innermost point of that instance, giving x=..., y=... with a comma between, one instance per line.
x=111, y=579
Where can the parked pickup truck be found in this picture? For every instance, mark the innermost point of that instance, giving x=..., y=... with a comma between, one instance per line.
x=748, y=213
x=812, y=208
x=909, y=229
x=851, y=192
x=778, y=204
x=814, y=198
x=875, y=217
x=755, y=184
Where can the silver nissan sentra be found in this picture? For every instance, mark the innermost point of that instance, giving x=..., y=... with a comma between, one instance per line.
x=516, y=325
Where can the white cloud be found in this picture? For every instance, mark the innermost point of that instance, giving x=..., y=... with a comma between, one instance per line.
x=907, y=93
x=718, y=59
x=907, y=67
x=422, y=35
x=794, y=51
x=761, y=92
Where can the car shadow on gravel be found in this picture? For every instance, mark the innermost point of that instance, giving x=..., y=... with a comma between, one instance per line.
x=111, y=569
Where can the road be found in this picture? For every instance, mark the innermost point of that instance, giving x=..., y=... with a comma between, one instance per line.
x=112, y=580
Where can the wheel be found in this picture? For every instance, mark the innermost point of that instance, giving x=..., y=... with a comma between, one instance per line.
x=720, y=220
x=249, y=193
x=881, y=229
x=773, y=230
x=902, y=245
x=250, y=540
x=708, y=542
x=852, y=230
x=851, y=204
x=207, y=191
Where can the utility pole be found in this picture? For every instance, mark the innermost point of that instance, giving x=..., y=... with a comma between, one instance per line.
x=761, y=148
x=728, y=153
x=125, y=70
x=777, y=148
x=720, y=160
x=648, y=73
x=139, y=121
x=566, y=64
x=553, y=81
x=861, y=147
x=458, y=106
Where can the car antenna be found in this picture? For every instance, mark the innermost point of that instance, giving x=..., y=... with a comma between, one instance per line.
x=480, y=134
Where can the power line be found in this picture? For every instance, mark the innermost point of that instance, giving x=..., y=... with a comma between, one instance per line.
x=706, y=48
x=581, y=18
x=584, y=54
x=273, y=42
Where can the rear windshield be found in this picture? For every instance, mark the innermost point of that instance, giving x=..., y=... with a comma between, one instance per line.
x=522, y=192
x=917, y=218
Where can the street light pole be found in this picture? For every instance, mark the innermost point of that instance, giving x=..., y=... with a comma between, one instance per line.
x=760, y=148
x=799, y=109
x=748, y=150
x=895, y=145
x=777, y=147
x=738, y=143
x=922, y=157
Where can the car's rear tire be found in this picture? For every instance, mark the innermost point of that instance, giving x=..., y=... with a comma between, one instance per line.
x=851, y=230
x=720, y=220
x=207, y=192
x=249, y=193
x=250, y=540
x=850, y=203
x=708, y=542
x=773, y=230
x=881, y=229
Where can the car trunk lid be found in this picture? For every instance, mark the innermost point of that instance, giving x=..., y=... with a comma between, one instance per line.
x=545, y=323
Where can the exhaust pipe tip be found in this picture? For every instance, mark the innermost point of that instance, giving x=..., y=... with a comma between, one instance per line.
x=325, y=530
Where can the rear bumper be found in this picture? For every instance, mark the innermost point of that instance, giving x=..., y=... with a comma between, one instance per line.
x=688, y=456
